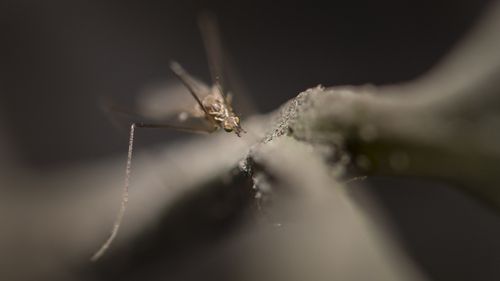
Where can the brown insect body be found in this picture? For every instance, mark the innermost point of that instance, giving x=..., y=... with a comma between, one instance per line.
x=211, y=103
x=219, y=111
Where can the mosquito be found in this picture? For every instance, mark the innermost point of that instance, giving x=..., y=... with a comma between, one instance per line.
x=212, y=105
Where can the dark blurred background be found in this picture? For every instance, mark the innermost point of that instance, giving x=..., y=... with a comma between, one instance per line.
x=59, y=57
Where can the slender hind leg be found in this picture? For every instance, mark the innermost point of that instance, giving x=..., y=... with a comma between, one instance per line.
x=128, y=169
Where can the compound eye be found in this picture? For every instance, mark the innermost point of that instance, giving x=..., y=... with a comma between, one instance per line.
x=228, y=129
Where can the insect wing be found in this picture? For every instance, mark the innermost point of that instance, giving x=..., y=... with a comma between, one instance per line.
x=221, y=70
x=213, y=47
x=167, y=100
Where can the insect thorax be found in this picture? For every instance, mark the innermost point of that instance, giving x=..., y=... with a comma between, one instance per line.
x=216, y=107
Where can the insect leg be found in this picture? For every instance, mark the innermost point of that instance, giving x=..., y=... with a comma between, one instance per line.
x=220, y=64
x=188, y=82
x=213, y=47
x=116, y=112
x=123, y=205
x=128, y=169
